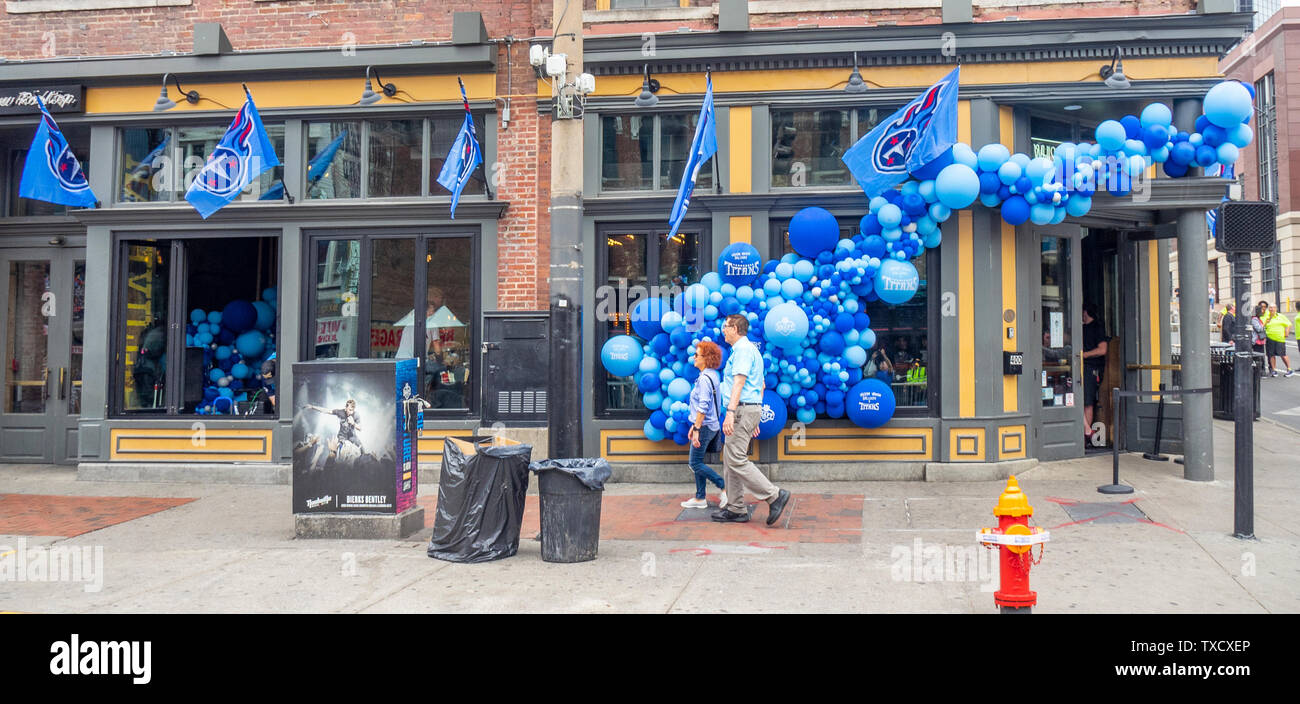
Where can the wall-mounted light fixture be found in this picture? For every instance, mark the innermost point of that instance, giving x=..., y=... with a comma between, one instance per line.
x=856, y=85
x=166, y=103
x=1113, y=74
x=369, y=96
x=649, y=87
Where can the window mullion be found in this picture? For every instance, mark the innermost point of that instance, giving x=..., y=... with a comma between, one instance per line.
x=365, y=160
x=655, y=155
x=426, y=151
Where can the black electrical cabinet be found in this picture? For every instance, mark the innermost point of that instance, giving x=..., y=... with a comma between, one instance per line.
x=516, y=367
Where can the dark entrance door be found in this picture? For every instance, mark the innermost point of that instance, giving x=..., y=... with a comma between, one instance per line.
x=1057, y=364
x=42, y=326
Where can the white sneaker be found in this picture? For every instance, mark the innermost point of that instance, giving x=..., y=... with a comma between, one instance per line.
x=722, y=500
x=695, y=503
x=1290, y=372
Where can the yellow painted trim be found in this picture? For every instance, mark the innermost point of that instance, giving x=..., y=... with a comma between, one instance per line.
x=683, y=3
x=177, y=445
x=741, y=150
x=740, y=227
x=631, y=445
x=896, y=444
x=960, y=448
x=1153, y=305
x=1006, y=127
x=297, y=93
x=965, y=315
x=1010, y=382
x=431, y=441
x=1012, y=431
x=902, y=76
x=602, y=4
x=963, y=121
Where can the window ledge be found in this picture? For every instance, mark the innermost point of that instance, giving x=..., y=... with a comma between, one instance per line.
x=18, y=7
x=666, y=13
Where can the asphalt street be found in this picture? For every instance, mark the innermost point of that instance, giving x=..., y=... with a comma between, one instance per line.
x=1280, y=396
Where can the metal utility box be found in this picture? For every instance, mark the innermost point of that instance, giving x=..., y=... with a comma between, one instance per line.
x=516, y=367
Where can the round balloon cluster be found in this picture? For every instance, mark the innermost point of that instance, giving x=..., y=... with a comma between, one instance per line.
x=235, y=341
x=806, y=316
x=1046, y=191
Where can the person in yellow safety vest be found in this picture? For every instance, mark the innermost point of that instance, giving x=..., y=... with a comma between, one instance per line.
x=1276, y=327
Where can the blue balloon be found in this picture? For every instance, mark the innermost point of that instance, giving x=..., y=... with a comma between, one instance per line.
x=913, y=203
x=670, y=321
x=198, y=316
x=653, y=400
x=1206, y=155
x=646, y=314
x=831, y=343
x=214, y=317
x=1214, y=135
x=989, y=182
x=1156, y=114
x=680, y=338
x=652, y=433
x=216, y=374
x=1228, y=104
x=223, y=352
x=1182, y=154
x=1041, y=213
x=1111, y=135
x=963, y=154
x=1174, y=169
x=1155, y=136
x=990, y=157
x=679, y=389
x=957, y=186
x=896, y=281
x=697, y=295
x=620, y=354
x=739, y=264
x=1228, y=153
x=813, y=230
x=648, y=382
x=772, y=415
x=874, y=246
x=870, y=403
x=265, y=316
x=1015, y=210
x=890, y=216
x=1010, y=172
x=791, y=288
x=660, y=343
x=237, y=316
x=869, y=225
x=1078, y=205
x=712, y=281
x=1241, y=135
x=844, y=322
x=786, y=326
x=241, y=371
x=1132, y=126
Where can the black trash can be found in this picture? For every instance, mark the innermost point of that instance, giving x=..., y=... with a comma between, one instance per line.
x=481, y=494
x=1223, y=381
x=569, y=497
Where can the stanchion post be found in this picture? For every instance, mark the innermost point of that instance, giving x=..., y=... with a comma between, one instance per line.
x=1115, y=487
x=1160, y=428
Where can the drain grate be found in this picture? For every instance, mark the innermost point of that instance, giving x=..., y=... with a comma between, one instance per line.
x=1105, y=512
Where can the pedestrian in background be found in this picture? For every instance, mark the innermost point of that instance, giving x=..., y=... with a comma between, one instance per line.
x=1257, y=337
x=706, y=400
x=1276, y=326
x=1228, y=323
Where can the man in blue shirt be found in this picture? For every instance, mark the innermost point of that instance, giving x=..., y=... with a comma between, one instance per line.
x=742, y=395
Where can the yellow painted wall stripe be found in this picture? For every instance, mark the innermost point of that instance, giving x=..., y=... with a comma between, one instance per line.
x=898, y=444
x=1010, y=383
x=899, y=76
x=1153, y=275
x=279, y=94
x=741, y=149
x=602, y=4
x=1006, y=127
x=740, y=229
x=965, y=315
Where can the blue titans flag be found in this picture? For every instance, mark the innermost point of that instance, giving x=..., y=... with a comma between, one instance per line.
x=464, y=157
x=52, y=173
x=907, y=140
x=243, y=153
x=703, y=146
x=1211, y=216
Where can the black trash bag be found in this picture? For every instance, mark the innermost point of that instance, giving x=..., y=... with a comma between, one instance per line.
x=593, y=472
x=480, y=499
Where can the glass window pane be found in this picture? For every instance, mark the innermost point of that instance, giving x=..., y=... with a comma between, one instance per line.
x=679, y=260
x=627, y=152
x=449, y=359
x=807, y=146
x=20, y=207
x=677, y=133
x=78, y=335
x=902, y=340
x=442, y=135
x=625, y=258
x=148, y=267
x=227, y=277
x=396, y=147
x=392, y=298
x=334, y=160
x=198, y=143
x=1058, y=379
x=338, y=277
x=27, y=359
x=144, y=159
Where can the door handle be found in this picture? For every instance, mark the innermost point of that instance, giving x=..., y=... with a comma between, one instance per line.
x=45, y=384
x=63, y=375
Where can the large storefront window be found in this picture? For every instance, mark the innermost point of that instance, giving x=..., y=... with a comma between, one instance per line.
x=224, y=289
x=902, y=355
x=808, y=145
x=637, y=263
x=78, y=136
x=157, y=164
x=641, y=152
x=414, y=295
x=384, y=158
x=1058, y=377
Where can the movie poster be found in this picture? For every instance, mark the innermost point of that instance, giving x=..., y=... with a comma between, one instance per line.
x=355, y=436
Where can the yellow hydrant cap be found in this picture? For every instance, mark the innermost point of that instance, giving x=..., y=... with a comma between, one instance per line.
x=1013, y=501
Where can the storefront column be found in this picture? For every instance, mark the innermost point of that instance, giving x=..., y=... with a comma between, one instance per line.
x=1194, y=334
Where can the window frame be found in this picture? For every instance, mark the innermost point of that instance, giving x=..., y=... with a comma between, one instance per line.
x=656, y=158
x=855, y=134
x=933, y=331
x=700, y=228
x=176, y=196
x=176, y=310
x=307, y=298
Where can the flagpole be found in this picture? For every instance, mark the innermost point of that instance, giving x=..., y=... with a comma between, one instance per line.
x=464, y=99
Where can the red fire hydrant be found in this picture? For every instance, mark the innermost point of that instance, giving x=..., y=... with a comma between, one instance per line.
x=1015, y=538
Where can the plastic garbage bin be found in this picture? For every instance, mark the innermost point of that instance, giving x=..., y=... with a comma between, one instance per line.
x=480, y=499
x=569, y=494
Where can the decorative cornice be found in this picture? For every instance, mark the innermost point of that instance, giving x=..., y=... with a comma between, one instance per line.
x=371, y=212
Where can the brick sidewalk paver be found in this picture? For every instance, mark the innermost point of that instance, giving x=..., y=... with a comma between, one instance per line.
x=40, y=514
x=809, y=518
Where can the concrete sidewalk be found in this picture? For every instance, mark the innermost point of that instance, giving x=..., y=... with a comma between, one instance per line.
x=844, y=547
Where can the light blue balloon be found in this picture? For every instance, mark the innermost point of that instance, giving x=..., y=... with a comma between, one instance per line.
x=666, y=376
x=804, y=270
x=855, y=356
x=1241, y=135
x=892, y=234
x=957, y=185
x=890, y=216
x=1041, y=213
x=772, y=287
x=667, y=406
x=710, y=312
x=1134, y=146
x=1038, y=169
x=621, y=355
x=1195, y=139
x=784, y=270
x=671, y=321
x=712, y=281
x=896, y=282
x=852, y=337
x=653, y=400
x=679, y=389
x=1009, y=172
x=728, y=290
x=670, y=425
x=791, y=288
x=744, y=294
x=1021, y=160
x=991, y=156
x=697, y=295
x=806, y=415
x=1110, y=135
x=786, y=326
x=868, y=339
x=989, y=200
x=1078, y=205
x=716, y=298
x=1156, y=114
x=1058, y=217
x=652, y=433
x=1228, y=153
x=1228, y=104
x=875, y=204
x=649, y=365
x=934, y=239
x=1136, y=165
x=963, y=154
x=784, y=390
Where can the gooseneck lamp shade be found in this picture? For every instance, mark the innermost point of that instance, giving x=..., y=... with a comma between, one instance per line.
x=369, y=96
x=649, y=87
x=1113, y=74
x=856, y=85
x=166, y=103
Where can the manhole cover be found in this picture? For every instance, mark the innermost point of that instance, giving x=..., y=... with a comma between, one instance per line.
x=1105, y=512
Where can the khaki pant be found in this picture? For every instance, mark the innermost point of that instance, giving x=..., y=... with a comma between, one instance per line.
x=738, y=473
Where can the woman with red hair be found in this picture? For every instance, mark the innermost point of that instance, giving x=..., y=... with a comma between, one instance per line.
x=704, y=405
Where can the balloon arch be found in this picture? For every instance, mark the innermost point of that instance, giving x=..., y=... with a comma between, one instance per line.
x=806, y=309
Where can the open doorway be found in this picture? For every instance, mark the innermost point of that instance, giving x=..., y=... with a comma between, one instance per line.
x=1099, y=260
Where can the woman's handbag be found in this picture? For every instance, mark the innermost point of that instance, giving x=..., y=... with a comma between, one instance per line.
x=715, y=445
